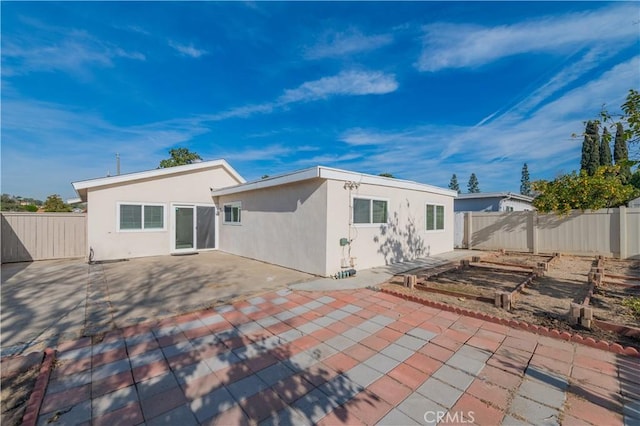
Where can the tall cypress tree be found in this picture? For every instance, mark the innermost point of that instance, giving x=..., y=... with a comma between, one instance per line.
x=586, y=146
x=525, y=185
x=453, y=184
x=590, y=148
x=473, y=187
x=605, y=148
x=621, y=153
x=595, y=150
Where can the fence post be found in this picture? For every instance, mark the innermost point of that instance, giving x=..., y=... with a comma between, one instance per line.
x=534, y=232
x=468, y=223
x=622, y=210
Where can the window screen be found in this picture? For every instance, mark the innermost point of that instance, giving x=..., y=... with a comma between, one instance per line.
x=435, y=217
x=232, y=213
x=153, y=217
x=379, y=211
x=130, y=216
x=141, y=217
x=361, y=210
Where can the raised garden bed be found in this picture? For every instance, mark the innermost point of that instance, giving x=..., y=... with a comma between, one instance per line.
x=545, y=301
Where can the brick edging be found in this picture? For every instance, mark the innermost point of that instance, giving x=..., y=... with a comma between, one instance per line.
x=30, y=417
x=544, y=331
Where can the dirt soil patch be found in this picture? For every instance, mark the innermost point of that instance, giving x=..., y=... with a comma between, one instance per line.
x=526, y=260
x=607, y=303
x=477, y=281
x=545, y=302
x=629, y=268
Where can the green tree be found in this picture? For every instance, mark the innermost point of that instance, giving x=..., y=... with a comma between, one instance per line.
x=631, y=109
x=9, y=204
x=590, y=148
x=635, y=180
x=605, y=148
x=54, y=203
x=179, y=157
x=621, y=152
x=453, y=183
x=31, y=208
x=472, y=186
x=630, y=118
x=603, y=189
x=525, y=184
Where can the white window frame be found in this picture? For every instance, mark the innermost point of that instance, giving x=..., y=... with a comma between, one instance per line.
x=142, y=206
x=233, y=204
x=435, y=217
x=371, y=200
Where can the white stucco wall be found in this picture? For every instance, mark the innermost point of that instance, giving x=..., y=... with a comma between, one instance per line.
x=518, y=205
x=404, y=237
x=188, y=188
x=284, y=225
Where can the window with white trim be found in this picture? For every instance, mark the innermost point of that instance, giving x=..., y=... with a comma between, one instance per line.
x=231, y=212
x=140, y=217
x=369, y=211
x=435, y=217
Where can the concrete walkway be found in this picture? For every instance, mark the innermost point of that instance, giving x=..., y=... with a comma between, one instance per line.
x=379, y=275
x=336, y=357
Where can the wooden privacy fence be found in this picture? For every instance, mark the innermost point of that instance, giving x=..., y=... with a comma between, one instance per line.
x=40, y=236
x=609, y=232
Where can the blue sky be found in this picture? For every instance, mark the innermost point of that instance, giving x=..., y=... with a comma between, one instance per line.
x=421, y=90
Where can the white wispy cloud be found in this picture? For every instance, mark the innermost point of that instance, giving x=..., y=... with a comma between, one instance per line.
x=447, y=45
x=74, y=52
x=187, y=49
x=336, y=44
x=346, y=83
x=58, y=144
x=364, y=137
x=542, y=138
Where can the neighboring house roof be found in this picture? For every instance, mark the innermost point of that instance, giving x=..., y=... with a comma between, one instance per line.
x=82, y=186
x=334, y=174
x=511, y=195
x=634, y=203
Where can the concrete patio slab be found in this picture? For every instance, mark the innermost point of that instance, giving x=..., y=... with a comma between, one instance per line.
x=49, y=301
x=42, y=300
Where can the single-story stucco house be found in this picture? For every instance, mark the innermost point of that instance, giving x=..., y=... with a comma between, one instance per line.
x=318, y=220
x=492, y=202
x=634, y=204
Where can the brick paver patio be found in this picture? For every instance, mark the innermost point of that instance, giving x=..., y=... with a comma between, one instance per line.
x=340, y=357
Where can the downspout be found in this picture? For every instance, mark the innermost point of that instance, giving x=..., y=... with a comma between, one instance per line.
x=350, y=186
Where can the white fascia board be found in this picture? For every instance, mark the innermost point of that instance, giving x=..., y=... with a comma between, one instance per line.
x=343, y=175
x=110, y=180
x=332, y=174
x=297, y=176
x=482, y=195
x=503, y=195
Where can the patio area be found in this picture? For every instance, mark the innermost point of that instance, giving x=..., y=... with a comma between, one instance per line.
x=47, y=302
x=336, y=357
